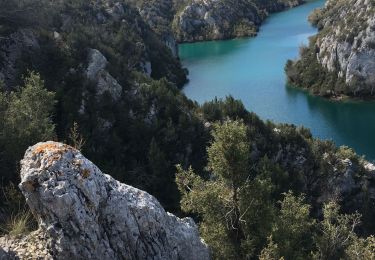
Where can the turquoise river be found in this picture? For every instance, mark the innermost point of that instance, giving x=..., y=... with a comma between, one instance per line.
x=252, y=70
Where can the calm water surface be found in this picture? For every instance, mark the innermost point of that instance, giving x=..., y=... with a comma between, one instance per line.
x=253, y=71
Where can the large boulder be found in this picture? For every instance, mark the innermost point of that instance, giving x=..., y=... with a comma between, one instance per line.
x=85, y=214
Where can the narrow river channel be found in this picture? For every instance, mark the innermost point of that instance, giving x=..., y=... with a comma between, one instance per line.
x=252, y=70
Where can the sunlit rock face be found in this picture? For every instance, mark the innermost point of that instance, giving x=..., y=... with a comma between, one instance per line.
x=85, y=214
x=346, y=43
x=212, y=20
x=97, y=73
x=203, y=20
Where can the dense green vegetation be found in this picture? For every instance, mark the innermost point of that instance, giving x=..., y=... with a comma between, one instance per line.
x=308, y=73
x=257, y=189
x=150, y=113
x=240, y=213
x=26, y=117
x=21, y=13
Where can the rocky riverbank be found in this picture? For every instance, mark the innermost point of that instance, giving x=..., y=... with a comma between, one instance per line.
x=203, y=20
x=340, y=60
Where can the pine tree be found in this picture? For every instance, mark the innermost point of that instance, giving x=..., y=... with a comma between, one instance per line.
x=27, y=119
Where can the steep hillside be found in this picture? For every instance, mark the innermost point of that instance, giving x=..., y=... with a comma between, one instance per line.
x=213, y=20
x=281, y=159
x=158, y=14
x=100, y=76
x=198, y=20
x=115, y=28
x=340, y=60
x=103, y=62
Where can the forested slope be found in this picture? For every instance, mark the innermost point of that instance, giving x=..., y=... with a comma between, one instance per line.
x=98, y=76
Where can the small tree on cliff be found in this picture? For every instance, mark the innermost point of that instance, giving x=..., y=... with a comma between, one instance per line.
x=228, y=158
x=27, y=119
x=336, y=232
x=232, y=200
x=293, y=228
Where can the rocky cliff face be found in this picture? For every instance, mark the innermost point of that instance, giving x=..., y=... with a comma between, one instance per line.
x=212, y=19
x=85, y=214
x=158, y=14
x=345, y=46
x=189, y=21
x=97, y=73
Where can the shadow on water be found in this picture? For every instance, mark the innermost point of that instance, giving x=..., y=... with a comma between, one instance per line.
x=211, y=49
x=349, y=122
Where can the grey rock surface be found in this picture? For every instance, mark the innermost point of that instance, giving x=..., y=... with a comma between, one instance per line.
x=158, y=14
x=86, y=214
x=203, y=20
x=96, y=72
x=346, y=44
x=6, y=255
x=212, y=20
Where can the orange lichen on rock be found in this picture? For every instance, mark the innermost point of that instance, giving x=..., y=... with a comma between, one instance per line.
x=51, y=147
x=55, y=150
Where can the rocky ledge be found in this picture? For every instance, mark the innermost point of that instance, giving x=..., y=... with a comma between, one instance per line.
x=85, y=214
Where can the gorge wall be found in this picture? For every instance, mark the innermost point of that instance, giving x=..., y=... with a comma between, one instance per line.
x=200, y=20
x=109, y=70
x=214, y=20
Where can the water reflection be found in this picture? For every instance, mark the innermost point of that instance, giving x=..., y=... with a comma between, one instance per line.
x=349, y=123
x=216, y=49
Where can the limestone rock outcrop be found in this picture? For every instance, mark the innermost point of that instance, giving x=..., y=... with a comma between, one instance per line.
x=347, y=42
x=158, y=14
x=96, y=72
x=85, y=214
